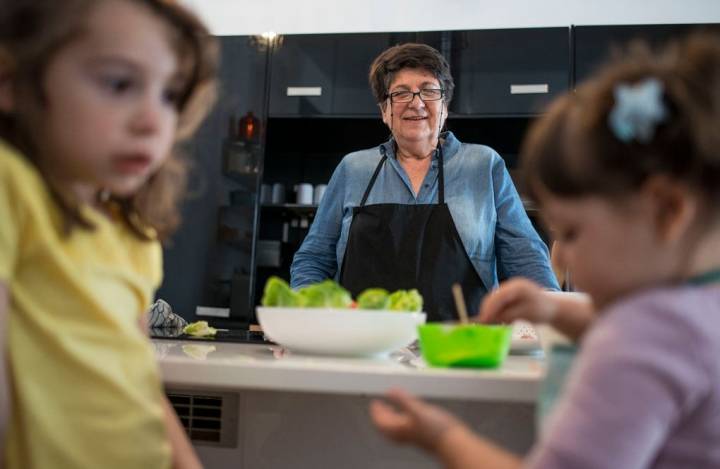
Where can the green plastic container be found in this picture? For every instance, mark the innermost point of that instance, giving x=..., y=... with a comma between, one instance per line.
x=464, y=345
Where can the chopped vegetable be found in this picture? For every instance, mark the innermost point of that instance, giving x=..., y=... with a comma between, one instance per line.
x=199, y=329
x=406, y=300
x=327, y=294
x=278, y=293
x=374, y=298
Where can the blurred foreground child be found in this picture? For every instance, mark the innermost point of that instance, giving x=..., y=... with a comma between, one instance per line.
x=94, y=94
x=627, y=172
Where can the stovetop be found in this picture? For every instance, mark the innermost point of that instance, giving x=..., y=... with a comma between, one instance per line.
x=223, y=335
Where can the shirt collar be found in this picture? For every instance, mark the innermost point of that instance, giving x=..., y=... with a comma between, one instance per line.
x=450, y=146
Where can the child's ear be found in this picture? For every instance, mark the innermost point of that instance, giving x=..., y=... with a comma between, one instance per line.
x=674, y=205
x=7, y=101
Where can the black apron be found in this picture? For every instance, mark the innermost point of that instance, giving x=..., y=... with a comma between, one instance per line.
x=399, y=246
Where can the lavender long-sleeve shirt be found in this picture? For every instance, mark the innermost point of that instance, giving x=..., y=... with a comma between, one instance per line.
x=645, y=390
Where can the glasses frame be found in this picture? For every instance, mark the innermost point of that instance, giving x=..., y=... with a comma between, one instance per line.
x=415, y=93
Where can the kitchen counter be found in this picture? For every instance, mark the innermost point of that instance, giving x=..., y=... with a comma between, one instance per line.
x=225, y=366
x=258, y=406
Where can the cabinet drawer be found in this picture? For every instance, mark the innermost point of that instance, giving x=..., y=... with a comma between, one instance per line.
x=509, y=72
x=302, y=75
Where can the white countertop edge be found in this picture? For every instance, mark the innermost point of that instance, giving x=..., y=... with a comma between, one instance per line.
x=351, y=377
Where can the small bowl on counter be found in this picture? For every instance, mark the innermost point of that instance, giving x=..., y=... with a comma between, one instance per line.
x=339, y=331
x=464, y=345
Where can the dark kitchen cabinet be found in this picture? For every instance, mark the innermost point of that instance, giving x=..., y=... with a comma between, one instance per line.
x=509, y=72
x=595, y=45
x=322, y=75
x=354, y=54
x=209, y=262
x=302, y=75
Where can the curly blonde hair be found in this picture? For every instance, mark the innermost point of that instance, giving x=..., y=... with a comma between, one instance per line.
x=31, y=34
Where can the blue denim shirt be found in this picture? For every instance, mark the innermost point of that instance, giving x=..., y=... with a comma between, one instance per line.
x=486, y=208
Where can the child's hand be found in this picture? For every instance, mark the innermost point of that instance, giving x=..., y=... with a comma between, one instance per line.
x=518, y=298
x=414, y=421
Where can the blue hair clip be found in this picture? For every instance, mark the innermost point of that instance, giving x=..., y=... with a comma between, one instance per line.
x=638, y=110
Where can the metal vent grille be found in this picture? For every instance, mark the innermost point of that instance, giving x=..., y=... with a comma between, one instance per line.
x=208, y=418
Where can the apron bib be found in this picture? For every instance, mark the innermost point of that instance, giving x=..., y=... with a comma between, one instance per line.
x=401, y=246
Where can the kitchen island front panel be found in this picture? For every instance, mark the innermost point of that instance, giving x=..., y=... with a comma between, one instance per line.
x=276, y=409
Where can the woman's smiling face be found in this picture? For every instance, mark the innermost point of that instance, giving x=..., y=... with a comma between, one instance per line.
x=415, y=121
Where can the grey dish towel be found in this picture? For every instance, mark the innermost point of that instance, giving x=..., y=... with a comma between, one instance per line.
x=162, y=317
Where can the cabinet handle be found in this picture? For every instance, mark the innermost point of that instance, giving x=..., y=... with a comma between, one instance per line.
x=304, y=91
x=543, y=88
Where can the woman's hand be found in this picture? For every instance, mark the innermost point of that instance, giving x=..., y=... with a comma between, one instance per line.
x=412, y=421
x=518, y=298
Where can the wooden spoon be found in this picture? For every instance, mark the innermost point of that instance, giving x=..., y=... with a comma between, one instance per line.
x=460, y=303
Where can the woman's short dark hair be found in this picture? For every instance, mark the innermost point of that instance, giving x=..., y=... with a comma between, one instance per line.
x=412, y=56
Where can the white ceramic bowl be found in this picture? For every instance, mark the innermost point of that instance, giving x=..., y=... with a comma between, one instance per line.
x=345, y=332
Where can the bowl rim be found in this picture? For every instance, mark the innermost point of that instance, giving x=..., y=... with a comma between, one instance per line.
x=343, y=311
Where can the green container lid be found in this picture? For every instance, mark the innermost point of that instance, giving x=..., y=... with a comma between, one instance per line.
x=464, y=345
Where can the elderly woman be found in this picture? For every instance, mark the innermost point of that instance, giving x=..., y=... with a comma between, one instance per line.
x=422, y=210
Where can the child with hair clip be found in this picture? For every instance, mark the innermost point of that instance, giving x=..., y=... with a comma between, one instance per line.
x=94, y=95
x=627, y=172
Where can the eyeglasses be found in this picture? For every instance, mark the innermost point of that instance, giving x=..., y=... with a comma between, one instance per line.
x=426, y=94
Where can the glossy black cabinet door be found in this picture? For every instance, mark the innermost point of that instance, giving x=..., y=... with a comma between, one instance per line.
x=302, y=75
x=321, y=75
x=594, y=45
x=509, y=72
x=354, y=55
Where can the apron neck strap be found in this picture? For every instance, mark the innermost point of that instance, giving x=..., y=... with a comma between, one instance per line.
x=441, y=175
x=374, y=176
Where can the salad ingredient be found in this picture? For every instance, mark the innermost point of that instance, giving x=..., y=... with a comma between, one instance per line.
x=199, y=329
x=330, y=294
x=373, y=298
x=326, y=294
x=278, y=293
x=406, y=300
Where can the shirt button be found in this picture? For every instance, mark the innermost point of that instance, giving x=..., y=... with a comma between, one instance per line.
x=427, y=185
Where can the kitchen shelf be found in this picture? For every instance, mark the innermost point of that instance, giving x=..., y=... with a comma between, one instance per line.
x=295, y=209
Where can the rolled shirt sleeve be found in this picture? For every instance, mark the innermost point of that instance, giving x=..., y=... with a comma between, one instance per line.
x=518, y=247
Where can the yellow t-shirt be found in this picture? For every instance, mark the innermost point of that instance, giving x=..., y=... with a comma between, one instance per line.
x=86, y=388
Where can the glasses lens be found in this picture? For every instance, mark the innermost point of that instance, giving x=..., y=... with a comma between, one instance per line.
x=431, y=94
x=401, y=96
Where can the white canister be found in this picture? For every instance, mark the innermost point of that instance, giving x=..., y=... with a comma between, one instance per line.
x=278, y=193
x=318, y=194
x=304, y=192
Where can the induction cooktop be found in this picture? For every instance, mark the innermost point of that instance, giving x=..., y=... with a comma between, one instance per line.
x=223, y=335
